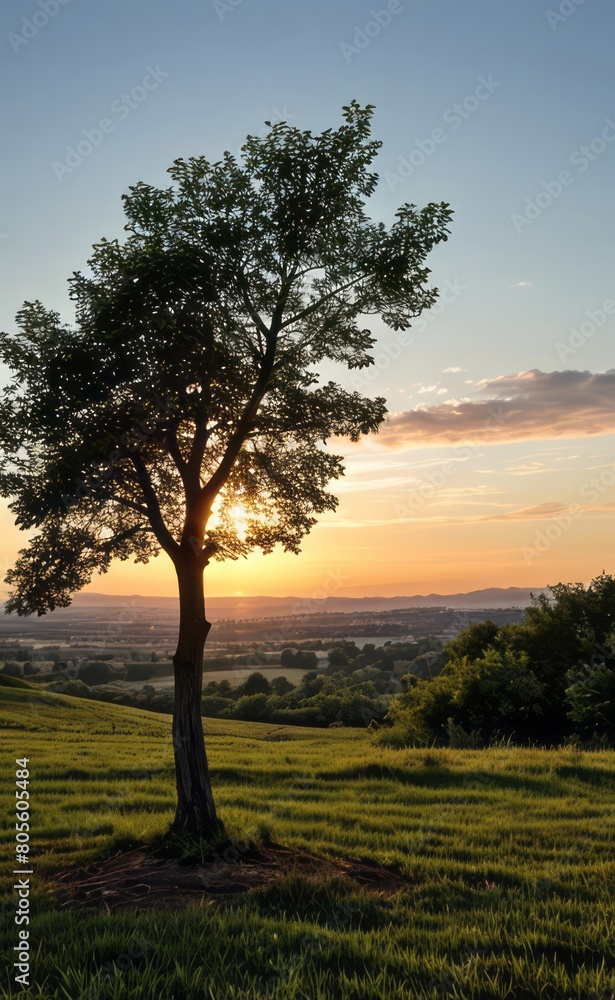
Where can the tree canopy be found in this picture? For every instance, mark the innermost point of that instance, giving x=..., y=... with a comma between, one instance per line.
x=183, y=408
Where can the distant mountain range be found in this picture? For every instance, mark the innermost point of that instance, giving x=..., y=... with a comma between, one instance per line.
x=269, y=607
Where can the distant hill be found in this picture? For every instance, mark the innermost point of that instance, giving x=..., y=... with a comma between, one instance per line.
x=269, y=607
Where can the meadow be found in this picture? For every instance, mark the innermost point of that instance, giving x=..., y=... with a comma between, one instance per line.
x=506, y=854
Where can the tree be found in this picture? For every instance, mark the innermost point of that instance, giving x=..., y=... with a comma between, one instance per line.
x=94, y=672
x=337, y=657
x=497, y=692
x=287, y=657
x=281, y=686
x=590, y=697
x=12, y=669
x=256, y=683
x=311, y=684
x=183, y=411
x=306, y=659
x=472, y=641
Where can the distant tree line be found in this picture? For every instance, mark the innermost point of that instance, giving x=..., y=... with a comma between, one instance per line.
x=546, y=680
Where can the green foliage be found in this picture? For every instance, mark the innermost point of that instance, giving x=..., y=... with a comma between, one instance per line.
x=190, y=375
x=496, y=693
x=319, y=700
x=590, y=697
x=473, y=641
x=212, y=706
x=13, y=682
x=75, y=688
x=138, y=671
x=541, y=680
x=337, y=657
x=252, y=707
x=303, y=659
x=94, y=672
x=13, y=669
x=255, y=684
x=281, y=686
x=18, y=653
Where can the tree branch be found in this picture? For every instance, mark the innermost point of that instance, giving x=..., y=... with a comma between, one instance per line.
x=252, y=311
x=250, y=410
x=162, y=533
x=325, y=298
x=180, y=462
x=110, y=542
x=130, y=504
x=197, y=450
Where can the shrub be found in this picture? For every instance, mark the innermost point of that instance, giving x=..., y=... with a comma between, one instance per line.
x=252, y=707
x=590, y=698
x=95, y=672
x=281, y=686
x=12, y=669
x=75, y=688
x=254, y=684
x=139, y=671
x=337, y=657
x=215, y=707
x=469, y=701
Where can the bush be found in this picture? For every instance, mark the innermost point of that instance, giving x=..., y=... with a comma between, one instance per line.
x=497, y=693
x=139, y=671
x=75, y=688
x=12, y=669
x=252, y=708
x=215, y=707
x=337, y=657
x=590, y=697
x=302, y=659
x=13, y=682
x=254, y=684
x=95, y=672
x=281, y=686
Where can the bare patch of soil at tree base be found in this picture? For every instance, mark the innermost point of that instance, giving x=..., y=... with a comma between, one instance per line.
x=142, y=879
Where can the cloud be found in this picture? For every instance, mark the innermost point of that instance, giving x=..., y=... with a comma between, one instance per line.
x=528, y=405
x=453, y=370
x=523, y=284
x=541, y=510
x=548, y=511
x=528, y=469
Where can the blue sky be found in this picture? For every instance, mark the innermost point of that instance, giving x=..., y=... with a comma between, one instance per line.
x=221, y=69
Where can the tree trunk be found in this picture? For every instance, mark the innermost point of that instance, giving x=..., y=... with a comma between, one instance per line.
x=196, y=813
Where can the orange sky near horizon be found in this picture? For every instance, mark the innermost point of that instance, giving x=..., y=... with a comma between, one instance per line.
x=425, y=520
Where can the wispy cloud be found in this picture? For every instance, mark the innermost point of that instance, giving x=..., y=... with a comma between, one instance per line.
x=550, y=510
x=524, y=406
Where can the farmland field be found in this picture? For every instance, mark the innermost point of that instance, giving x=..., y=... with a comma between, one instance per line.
x=237, y=675
x=507, y=857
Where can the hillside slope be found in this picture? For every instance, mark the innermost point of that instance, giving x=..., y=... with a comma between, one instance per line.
x=508, y=856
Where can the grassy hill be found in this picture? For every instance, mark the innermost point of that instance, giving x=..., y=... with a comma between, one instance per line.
x=508, y=856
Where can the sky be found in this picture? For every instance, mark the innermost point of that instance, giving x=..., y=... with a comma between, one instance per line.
x=496, y=465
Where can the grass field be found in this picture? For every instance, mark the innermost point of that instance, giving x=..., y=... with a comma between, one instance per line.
x=508, y=854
